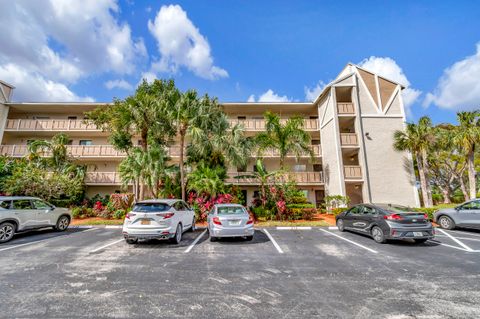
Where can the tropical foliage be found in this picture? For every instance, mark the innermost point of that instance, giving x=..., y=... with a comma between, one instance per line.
x=445, y=157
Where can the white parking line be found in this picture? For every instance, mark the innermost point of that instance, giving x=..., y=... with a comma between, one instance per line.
x=273, y=241
x=44, y=240
x=195, y=242
x=105, y=246
x=462, y=238
x=350, y=241
x=446, y=245
x=294, y=228
x=456, y=240
x=464, y=233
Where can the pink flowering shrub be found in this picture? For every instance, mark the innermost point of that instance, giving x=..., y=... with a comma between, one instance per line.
x=203, y=204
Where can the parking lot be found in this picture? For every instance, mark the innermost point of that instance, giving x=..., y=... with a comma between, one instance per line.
x=282, y=273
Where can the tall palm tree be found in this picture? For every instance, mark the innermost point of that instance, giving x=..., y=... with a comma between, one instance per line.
x=207, y=180
x=466, y=137
x=56, y=149
x=417, y=139
x=131, y=170
x=190, y=116
x=288, y=138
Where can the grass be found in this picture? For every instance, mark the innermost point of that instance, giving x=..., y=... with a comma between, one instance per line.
x=91, y=221
x=274, y=223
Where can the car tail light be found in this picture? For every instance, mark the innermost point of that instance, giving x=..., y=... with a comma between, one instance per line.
x=128, y=215
x=425, y=216
x=250, y=220
x=217, y=221
x=393, y=217
x=166, y=215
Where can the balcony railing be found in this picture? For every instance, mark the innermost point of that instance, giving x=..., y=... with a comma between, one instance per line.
x=59, y=125
x=349, y=139
x=259, y=124
x=352, y=172
x=49, y=125
x=100, y=151
x=317, y=151
x=299, y=177
x=345, y=109
x=102, y=178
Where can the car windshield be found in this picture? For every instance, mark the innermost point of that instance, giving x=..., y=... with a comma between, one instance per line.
x=396, y=209
x=230, y=210
x=150, y=207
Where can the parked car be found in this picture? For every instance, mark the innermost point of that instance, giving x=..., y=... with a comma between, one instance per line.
x=229, y=220
x=158, y=219
x=20, y=213
x=386, y=221
x=466, y=215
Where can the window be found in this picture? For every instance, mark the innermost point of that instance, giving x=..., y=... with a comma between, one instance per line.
x=85, y=142
x=22, y=204
x=150, y=207
x=355, y=210
x=317, y=167
x=72, y=117
x=472, y=205
x=241, y=118
x=369, y=210
x=314, y=117
x=299, y=168
x=231, y=210
x=185, y=206
x=40, y=204
x=179, y=206
x=315, y=142
x=6, y=204
x=41, y=117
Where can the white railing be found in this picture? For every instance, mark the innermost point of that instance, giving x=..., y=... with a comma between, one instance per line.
x=349, y=139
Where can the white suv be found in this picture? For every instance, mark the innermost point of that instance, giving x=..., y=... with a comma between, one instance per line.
x=20, y=213
x=158, y=219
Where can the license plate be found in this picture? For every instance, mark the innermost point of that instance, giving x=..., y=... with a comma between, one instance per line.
x=235, y=222
x=145, y=222
x=417, y=234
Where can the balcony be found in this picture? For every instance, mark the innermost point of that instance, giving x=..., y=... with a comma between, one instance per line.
x=258, y=125
x=317, y=152
x=349, y=139
x=301, y=178
x=352, y=172
x=107, y=151
x=345, y=109
x=59, y=125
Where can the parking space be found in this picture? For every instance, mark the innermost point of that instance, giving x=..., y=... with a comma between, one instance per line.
x=289, y=273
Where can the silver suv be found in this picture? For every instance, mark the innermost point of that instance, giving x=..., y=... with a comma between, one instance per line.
x=20, y=213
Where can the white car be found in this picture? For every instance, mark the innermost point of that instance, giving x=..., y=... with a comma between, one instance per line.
x=21, y=213
x=158, y=219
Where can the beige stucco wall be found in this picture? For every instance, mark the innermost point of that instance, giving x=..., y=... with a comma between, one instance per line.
x=3, y=119
x=389, y=172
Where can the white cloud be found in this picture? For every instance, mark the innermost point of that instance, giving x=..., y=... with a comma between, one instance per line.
x=389, y=69
x=62, y=41
x=148, y=76
x=459, y=86
x=269, y=96
x=311, y=94
x=34, y=87
x=118, y=84
x=181, y=44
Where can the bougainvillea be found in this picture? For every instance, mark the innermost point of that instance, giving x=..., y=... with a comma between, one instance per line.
x=204, y=203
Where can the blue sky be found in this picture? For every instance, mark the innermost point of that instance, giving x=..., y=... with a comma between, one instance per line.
x=240, y=50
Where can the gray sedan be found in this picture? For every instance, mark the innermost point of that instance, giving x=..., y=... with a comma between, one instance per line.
x=465, y=215
x=229, y=220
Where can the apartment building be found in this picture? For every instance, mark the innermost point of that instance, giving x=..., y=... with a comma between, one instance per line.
x=351, y=125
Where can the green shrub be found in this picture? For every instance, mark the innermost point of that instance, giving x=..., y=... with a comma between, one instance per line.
x=304, y=205
x=430, y=210
x=119, y=214
x=76, y=212
x=338, y=210
x=260, y=212
x=82, y=212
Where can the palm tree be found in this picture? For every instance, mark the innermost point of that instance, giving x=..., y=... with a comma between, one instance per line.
x=56, y=149
x=417, y=139
x=206, y=180
x=287, y=138
x=131, y=170
x=190, y=116
x=466, y=137
x=263, y=177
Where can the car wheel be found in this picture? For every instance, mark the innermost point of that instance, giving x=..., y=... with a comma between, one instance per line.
x=193, y=228
x=178, y=235
x=213, y=238
x=248, y=238
x=378, y=235
x=420, y=240
x=340, y=225
x=131, y=241
x=62, y=223
x=7, y=230
x=446, y=222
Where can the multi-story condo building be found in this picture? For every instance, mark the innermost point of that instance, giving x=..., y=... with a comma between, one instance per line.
x=351, y=125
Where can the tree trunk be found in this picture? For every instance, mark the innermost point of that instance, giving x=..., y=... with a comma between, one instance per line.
x=182, y=173
x=463, y=187
x=423, y=182
x=446, y=194
x=426, y=170
x=471, y=173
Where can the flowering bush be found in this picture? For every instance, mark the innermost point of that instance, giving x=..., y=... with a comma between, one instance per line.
x=203, y=204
